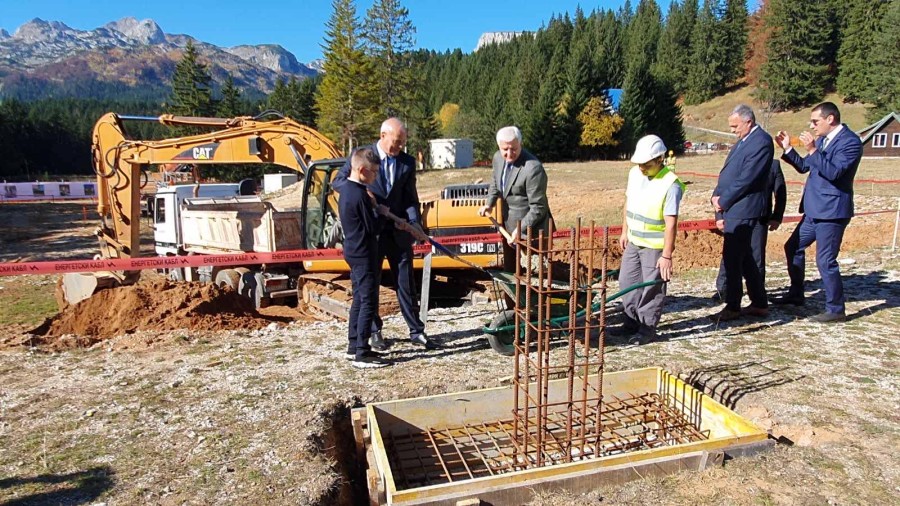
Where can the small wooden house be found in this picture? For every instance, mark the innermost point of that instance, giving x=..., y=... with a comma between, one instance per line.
x=882, y=139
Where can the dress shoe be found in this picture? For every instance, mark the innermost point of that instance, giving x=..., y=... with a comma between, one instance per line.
x=760, y=312
x=725, y=315
x=828, y=317
x=793, y=300
x=643, y=335
x=377, y=342
x=422, y=340
x=621, y=331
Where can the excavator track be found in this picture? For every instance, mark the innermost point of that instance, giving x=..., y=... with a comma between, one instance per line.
x=328, y=296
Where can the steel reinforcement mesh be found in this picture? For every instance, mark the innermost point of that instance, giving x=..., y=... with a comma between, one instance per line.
x=562, y=296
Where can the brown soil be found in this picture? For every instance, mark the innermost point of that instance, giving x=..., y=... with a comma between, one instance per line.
x=155, y=305
x=694, y=249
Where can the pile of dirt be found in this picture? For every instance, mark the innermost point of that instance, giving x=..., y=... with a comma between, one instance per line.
x=155, y=305
x=693, y=249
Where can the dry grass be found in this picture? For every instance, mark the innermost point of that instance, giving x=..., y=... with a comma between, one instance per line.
x=713, y=115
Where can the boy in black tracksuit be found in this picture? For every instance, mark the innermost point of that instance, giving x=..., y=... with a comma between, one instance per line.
x=359, y=220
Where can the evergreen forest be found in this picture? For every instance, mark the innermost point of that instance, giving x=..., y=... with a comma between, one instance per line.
x=552, y=83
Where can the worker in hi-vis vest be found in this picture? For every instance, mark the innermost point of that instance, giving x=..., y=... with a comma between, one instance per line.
x=652, y=199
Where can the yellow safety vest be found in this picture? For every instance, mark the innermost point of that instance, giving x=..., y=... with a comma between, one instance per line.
x=644, y=206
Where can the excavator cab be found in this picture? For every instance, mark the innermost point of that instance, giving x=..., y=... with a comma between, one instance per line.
x=319, y=221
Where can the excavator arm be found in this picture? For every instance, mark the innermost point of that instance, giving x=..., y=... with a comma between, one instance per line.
x=121, y=165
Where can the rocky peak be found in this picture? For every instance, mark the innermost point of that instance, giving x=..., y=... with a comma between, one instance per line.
x=495, y=38
x=318, y=65
x=144, y=32
x=38, y=30
x=270, y=56
x=3, y=34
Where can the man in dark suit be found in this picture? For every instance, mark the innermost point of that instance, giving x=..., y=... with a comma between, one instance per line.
x=396, y=188
x=741, y=197
x=771, y=222
x=520, y=181
x=833, y=155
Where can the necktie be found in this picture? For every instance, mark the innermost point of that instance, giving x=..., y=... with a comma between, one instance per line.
x=503, y=177
x=388, y=173
x=824, y=142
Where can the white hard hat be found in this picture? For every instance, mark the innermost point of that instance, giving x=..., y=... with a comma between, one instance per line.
x=648, y=148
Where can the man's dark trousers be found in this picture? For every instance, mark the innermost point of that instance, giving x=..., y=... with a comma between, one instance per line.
x=738, y=258
x=827, y=235
x=400, y=259
x=759, y=238
x=364, y=308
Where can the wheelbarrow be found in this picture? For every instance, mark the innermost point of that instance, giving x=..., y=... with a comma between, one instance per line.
x=501, y=331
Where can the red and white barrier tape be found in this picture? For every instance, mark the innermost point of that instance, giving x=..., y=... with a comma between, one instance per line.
x=223, y=260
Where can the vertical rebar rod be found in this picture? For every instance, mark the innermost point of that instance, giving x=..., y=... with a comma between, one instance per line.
x=572, y=324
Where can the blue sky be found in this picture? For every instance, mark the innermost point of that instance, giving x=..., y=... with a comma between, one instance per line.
x=299, y=25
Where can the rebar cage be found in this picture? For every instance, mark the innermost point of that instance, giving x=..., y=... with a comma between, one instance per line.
x=549, y=424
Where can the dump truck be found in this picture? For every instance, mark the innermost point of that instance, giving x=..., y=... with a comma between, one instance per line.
x=122, y=163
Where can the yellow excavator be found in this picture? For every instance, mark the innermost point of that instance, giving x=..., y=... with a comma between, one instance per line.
x=208, y=221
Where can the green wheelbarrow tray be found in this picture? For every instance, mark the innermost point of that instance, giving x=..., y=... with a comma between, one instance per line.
x=501, y=334
x=559, y=305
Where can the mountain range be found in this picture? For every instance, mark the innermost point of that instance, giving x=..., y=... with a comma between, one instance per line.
x=127, y=58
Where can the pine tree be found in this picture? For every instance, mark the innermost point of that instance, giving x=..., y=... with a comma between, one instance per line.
x=854, y=78
x=796, y=71
x=389, y=38
x=708, y=55
x=643, y=35
x=346, y=99
x=191, y=86
x=734, y=28
x=637, y=106
x=230, y=105
x=609, y=34
x=673, y=55
x=306, y=100
x=885, y=93
x=295, y=99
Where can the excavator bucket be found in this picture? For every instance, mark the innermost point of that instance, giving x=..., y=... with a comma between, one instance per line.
x=77, y=286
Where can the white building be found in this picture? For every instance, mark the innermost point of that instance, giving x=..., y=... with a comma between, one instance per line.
x=452, y=153
x=48, y=190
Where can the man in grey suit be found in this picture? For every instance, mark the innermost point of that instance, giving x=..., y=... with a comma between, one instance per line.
x=520, y=181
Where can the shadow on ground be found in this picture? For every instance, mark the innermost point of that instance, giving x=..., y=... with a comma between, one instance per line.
x=74, y=488
x=728, y=383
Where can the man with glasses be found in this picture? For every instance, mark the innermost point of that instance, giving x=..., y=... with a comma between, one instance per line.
x=833, y=155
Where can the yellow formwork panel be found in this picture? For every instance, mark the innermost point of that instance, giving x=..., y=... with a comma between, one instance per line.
x=726, y=429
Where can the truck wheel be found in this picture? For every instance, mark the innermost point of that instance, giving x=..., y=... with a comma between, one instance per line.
x=502, y=342
x=230, y=278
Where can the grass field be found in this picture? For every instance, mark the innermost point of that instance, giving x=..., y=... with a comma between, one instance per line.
x=261, y=417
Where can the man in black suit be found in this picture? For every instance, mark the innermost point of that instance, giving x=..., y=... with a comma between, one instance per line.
x=771, y=222
x=396, y=189
x=741, y=197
